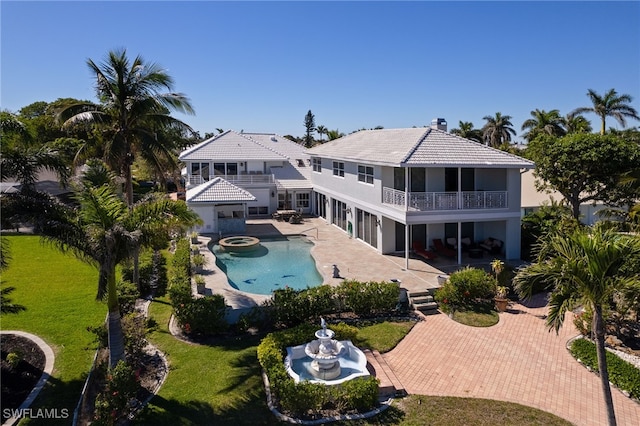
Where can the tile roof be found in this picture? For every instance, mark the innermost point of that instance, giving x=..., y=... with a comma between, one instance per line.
x=231, y=146
x=293, y=177
x=218, y=190
x=279, y=144
x=422, y=147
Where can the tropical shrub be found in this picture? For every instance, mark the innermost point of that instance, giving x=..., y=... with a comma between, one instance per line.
x=464, y=288
x=289, y=307
x=368, y=298
x=112, y=405
x=202, y=315
x=195, y=315
x=622, y=374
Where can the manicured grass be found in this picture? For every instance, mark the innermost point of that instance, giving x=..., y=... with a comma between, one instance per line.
x=217, y=383
x=383, y=336
x=477, y=316
x=444, y=411
x=59, y=293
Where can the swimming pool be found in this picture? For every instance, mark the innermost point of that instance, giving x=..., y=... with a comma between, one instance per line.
x=278, y=262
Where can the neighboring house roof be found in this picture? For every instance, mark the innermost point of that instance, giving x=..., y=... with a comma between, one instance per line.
x=530, y=196
x=230, y=146
x=218, y=190
x=9, y=187
x=423, y=147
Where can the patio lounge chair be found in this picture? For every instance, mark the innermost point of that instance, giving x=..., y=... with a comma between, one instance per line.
x=442, y=249
x=419, y=250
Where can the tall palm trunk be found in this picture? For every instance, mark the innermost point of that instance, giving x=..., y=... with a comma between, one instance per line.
x=598, y=328
x=114, y=326
x=136, y=268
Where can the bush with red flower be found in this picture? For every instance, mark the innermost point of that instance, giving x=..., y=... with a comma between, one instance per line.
x=465, y=288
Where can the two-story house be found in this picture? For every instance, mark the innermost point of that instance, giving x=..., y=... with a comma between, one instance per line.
x=232, y=176
x=391, y=188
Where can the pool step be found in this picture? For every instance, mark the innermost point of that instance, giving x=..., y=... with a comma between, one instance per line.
x=389, y=386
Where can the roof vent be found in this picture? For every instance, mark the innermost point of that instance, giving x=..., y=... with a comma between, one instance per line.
x=274, y=139
x=439, y=123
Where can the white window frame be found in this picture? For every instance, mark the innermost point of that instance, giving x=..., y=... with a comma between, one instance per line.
x=363, y=174
x=303, y=200
x=338, y=168
x=317, y=164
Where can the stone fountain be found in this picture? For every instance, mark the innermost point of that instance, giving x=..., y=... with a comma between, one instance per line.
x=326, y=360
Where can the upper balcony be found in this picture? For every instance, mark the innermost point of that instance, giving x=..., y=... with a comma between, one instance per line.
x=239, y=180
x=440, y=201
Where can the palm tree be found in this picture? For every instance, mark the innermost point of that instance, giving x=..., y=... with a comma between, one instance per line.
x=543, y=122
x=132, y=113
x=583, y=268
x=576, y=123
x=156, y=217
x=334, y=134
x=610, y=105
x=103, y=231
x=465, y=130
x=24, y=164
x=322, y=130
x=497, y=129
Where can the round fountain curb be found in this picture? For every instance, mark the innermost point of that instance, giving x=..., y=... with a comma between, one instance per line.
x=383, y=406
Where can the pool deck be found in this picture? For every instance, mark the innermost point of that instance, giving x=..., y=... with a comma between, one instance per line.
x=354, y=259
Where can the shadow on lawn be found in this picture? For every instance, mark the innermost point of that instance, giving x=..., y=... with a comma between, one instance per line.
x=59, y=399
x=161, y=411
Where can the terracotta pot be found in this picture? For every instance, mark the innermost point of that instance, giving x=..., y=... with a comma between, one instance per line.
x=501, y=304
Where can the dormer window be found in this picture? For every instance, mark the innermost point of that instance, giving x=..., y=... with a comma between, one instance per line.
x=300, y=162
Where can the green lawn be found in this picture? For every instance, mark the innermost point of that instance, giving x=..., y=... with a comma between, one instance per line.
x=59, y=293
x=214, y=384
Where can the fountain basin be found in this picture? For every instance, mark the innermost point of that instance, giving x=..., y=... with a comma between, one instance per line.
x=239, y=243
x=350, y=363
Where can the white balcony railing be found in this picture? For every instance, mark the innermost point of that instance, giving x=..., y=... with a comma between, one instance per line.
x=239, y=180
x=434, y=201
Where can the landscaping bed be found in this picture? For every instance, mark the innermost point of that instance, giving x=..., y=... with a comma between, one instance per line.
x=22, y=366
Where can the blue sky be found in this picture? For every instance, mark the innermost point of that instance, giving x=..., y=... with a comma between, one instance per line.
x=260, y=66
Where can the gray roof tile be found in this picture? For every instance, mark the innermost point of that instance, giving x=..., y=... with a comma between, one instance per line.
x=218, y=190
x=422, y=147
x=230, y=146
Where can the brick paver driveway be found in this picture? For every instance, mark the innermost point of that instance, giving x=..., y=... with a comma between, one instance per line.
x=517, y=360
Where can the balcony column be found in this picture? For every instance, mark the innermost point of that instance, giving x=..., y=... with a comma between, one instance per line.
x=459, y=243
x=460, y=201
x=406, y=225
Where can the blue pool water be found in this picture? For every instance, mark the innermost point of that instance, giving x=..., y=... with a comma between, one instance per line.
x=278, y=262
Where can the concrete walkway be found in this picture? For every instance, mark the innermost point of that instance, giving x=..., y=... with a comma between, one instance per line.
x=517, y=360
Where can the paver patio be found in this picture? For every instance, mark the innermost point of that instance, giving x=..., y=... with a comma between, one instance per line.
x=517, y=360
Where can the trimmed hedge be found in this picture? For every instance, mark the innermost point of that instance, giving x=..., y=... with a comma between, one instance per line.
x=622, y=374
x=305, y=398
x=290, y=307
x=195, y=315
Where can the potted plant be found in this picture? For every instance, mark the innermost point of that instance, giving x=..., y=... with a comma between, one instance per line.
x=194, y=237
x=501, y=298
x=198, y=261
x=199, y=280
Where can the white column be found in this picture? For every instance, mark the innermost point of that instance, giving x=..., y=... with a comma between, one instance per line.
x=406, y=225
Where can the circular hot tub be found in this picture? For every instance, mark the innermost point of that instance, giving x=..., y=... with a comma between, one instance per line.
x=239, y=244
